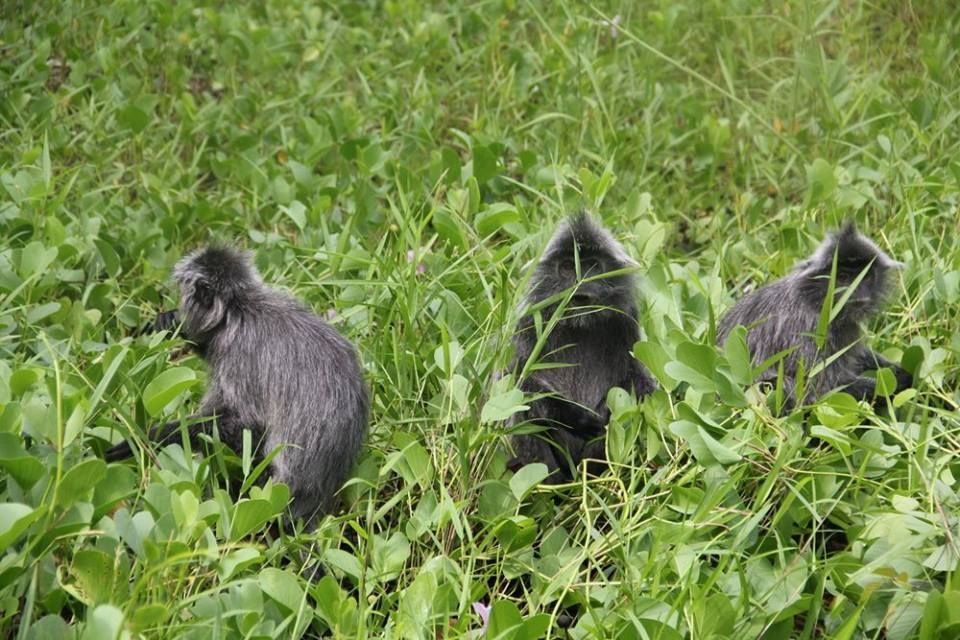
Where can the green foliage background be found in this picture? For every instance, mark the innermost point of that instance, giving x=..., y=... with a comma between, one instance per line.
x=398, y=165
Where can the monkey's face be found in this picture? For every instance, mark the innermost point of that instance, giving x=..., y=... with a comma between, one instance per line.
x=593, y=284
x=871, y=287
x=212, y=282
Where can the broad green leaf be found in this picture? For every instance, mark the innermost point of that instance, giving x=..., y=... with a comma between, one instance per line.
x=447, y=356
x=23, y=467
x=526, y=478
x=496, y=500
x=390, y=555
x=484, y=164
x=74, y=423
x=738, y=356
x=38, y=312
x=249, y=516
x=904, y=616
x=344, y=561
x=119, y=483
x=699, y=357
x=704, y=447
x=95, y=575
x=821, y=182
x=886, y=382
x=416, y=606
x=50, y=627
x=655, y=358
x=502, y=406
x=150, y=616
x=105, y=621
x=283, y=587
x=451, y=164
x=517, y=532
x=22, y=379
x=109, y=257
x=80, y=480
x=160, y=391
x=504, y=620
x=133, y=117
x=449, y=229
x=14, y=520
x=495, y=217
x=35, y=258
x=414, y=462
x=236, y=561
x=297, y=212
x=684, y=373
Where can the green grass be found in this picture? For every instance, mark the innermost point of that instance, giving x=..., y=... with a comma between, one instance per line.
x=348, y=144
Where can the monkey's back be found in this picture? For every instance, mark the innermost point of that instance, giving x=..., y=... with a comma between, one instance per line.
x=300, y=383
x=778, y=317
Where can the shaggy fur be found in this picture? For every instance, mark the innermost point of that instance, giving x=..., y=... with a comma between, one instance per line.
x=276, y=369
x=784, y=315
x=591, y=345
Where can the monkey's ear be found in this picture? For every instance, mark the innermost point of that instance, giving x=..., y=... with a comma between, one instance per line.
x=203, y=293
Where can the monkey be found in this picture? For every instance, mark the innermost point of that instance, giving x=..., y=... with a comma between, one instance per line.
x=785, y=314
x=276, y=369
x=584, y=275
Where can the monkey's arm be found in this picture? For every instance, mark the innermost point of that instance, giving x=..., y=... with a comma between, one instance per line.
x=165, y=433
x=165, y=321
x=867, y=360
x=639, y=380
x=562, y=412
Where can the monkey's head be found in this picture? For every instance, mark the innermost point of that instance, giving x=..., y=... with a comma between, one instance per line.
x=578, y=259
x=854, y=253
x=214, y=282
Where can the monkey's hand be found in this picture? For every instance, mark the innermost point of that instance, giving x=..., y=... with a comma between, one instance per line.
x=123, y=450
x=869, y=360
x=904, y=378
x=639, y=380
x=567, y=414
x=164, y=433
x=165, y=321
x=120, y=451
x=558, y=411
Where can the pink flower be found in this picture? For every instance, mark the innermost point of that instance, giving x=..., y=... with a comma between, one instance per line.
x=421, y=268
x=483, y=611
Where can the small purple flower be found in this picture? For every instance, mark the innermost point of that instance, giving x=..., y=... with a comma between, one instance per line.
x=421, y=268
x=330, y=314
x=483, y=611
x=615, y=26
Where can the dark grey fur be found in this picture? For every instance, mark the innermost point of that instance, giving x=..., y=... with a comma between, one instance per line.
x=593, y=341
x=276, y=369
x=785, y=314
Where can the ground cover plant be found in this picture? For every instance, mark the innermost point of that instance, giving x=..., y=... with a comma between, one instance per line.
x=399, y=165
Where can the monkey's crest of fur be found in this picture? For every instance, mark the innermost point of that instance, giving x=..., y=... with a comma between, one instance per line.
x=215, y=281
x=579, y=241
x=855, y=253
x=589, y=237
